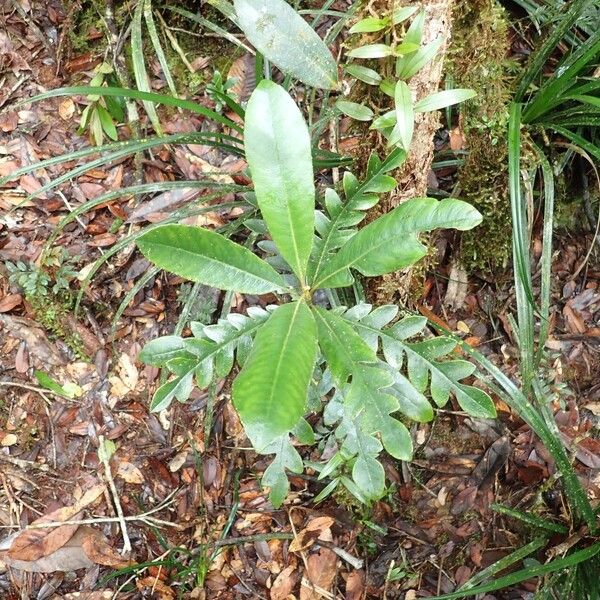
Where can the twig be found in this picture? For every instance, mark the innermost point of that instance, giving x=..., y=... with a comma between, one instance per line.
x=121, y=518
x=42, y=391
x=13, y=89
x=27, y=464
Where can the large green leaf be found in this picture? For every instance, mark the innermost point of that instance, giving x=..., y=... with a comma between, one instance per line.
x=270, y=393
x=287, y=40
x=209, y=258
x=391, y=243
x=278, y=152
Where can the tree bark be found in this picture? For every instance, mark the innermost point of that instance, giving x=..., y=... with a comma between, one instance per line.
x=412, y=177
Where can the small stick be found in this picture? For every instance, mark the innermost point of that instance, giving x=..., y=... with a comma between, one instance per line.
x=103, y=456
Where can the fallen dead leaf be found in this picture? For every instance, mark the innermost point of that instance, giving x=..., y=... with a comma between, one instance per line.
x=457, y=141
x=284, y=583
x=130, y=473
x=10, y=439
x=97, y=595
x=68, y=558
x=9, y=302
x=33, y=544
x=160, y=591
x=97, y=549
x=66, y=109
x=321, y=571
x=9, y=121
x=318, y=528
x=355, y=585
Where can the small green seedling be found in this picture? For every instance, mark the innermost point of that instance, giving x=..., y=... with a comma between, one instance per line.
x=102, y=114
x=296, y=354
x=410, y=56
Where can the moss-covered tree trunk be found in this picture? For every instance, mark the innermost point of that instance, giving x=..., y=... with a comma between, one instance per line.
x=412, y=177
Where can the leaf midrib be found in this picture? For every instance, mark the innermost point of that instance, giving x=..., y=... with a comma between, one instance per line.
x=301, y=272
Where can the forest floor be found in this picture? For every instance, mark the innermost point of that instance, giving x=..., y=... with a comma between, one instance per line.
x=197, y=520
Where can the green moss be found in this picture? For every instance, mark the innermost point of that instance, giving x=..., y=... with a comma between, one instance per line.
x=478, y=60
x=50, y=311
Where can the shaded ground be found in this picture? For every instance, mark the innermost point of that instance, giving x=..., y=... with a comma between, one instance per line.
x=188, y=480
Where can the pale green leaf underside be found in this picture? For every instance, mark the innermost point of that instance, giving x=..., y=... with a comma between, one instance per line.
x=270, y=393
x=287, y=40
x=391, y=243
x=278, y=151
x=405, y=119
x=207, y=257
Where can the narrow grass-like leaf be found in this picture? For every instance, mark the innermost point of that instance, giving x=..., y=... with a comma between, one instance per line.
x=534, y=521
x=521, y=258
x=209, y=258
x=514, y=397
x=287, y=40
x=270, y=393
x=546, y=258
x=137, y=95
x=278, y=151
x=158, y=49
x=139, y=64
x=564, y=78
x=504, y=563
x=557, y=564
x=540, y=57
x=124, y=149
x=213, y=26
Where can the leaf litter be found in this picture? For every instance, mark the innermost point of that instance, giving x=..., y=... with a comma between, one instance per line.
x=190, y=470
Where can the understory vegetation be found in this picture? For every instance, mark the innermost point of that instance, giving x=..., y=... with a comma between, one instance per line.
x=203, y=248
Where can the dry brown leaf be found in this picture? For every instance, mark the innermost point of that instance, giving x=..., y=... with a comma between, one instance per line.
x=321, y=571
x=10, y=439
x=22, y=359
x=457, y=141
x=66, y=109
x=355, y=585
x=129, y=473
x=317, y=528
x=244, y=73
x=33, y=544
x=97, y=595
x=160, y=590
x=98, y=550
x=284, y=584
x=68, y=558
x=9, y=302
x=9, y=121
x=30, y=184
